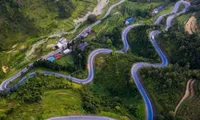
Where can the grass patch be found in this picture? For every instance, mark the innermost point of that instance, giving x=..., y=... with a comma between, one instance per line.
x=54, y=103
x=183, y=19
x=189, y=110
x=63, y=102
x=140, y=44
x=162, y=87
x=65, y=60
x=43, y=17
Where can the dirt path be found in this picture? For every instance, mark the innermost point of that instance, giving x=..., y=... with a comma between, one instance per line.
x=97, y=11
x=192, y=89
x=186, y=95
x=189, y=92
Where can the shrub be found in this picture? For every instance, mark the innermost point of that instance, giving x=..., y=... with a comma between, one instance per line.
x=92, y=18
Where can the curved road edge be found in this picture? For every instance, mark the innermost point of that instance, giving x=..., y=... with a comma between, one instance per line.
x=4, y=84
x=135, y=68
x=81, y=118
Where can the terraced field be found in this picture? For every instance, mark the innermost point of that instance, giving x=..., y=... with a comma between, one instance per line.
x=43, y=17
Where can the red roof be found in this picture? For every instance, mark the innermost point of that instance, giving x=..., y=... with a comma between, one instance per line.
x=57, y=56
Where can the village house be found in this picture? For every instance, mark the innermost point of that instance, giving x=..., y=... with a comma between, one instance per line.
x=67, y=51
x=128, y=20
x=62, y=43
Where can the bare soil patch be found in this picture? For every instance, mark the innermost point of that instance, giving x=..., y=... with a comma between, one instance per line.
x=192, y=26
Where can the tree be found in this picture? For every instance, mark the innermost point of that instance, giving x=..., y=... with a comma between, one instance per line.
x=185, y=49
x=89, y=107
x=92, y=18
x=3, y=93
x=53, y=66
x=3, y=116
x=169, y=83
x=160, y=117
x=109, y=42
x=62, y=12
x=65, y=9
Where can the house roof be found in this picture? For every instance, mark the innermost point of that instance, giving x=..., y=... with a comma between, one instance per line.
x=57, y=56
x=130, y=19
x=59, y=44
x=63, y=41
x=67, y=51
x=52, y=59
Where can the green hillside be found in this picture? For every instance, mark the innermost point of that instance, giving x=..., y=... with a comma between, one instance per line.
x=23, y=20
x=113, y=92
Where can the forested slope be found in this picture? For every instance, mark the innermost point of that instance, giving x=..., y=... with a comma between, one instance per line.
x=183, y=49
x=167, y=85
x=19, y=19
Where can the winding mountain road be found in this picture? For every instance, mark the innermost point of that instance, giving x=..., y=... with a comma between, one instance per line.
x=81, y=118
x=4, y=84
x=99, y=21
x=135, y=67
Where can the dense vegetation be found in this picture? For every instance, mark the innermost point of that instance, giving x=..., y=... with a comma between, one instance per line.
x=195, y=4
x=53, y=66
x=112, y=95
x=110, y=39
x=16, y=25
x=166, y=86
x=92, y=18
x=183, y=49
x=2, y=74
x=114, y=87
x=13, y=23
x=189, y=110
x=28, y=94
x=31, y=91
x=140, y=44
x=65, y=8
x=152, y=0
x=113, y=92
x=128, y=10
x=80, y=58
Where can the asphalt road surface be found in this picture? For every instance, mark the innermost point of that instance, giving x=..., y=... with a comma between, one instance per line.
x=134, y=69
x=81, y=118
